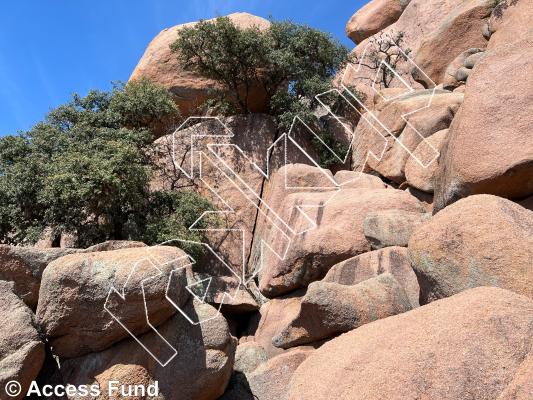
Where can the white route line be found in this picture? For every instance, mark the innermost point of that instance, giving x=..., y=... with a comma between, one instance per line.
x=283, y=228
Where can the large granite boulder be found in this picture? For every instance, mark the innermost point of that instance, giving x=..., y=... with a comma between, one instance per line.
x=470, y=345
x=322, y=242
x=489, y=148
x=482, y=240
x=392, y=260
x=199, y=370
x=80, y=312
x=161, y=66
x=24, y=267
x=373, y=17
x=328, y=309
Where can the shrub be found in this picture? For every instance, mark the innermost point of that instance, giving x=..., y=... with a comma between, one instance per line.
x=291, y=63
x=85, y=170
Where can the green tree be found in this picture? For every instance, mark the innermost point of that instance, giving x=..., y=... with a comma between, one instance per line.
x=86, y=170
x=291, y=63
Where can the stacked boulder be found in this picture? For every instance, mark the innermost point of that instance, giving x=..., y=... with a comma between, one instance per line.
x=407, y=275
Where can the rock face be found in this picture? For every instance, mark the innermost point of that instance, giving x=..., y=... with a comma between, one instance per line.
x=373, y=17
x=393, y=260
x=482, y=240
x=419, y=23
x=510, y=21
x=408, y=119
x=75, y=289
x=271, y=379
x=489, y=146
x=24, y=266
x=115, y=245
x=328, y=309
x=160, y=65
x=419, y=176
x=521, y=387
x=200, y=369
x=248, y=356
x=471, y=344
x=21, y=348
x=310, y=255
x=276, y=314
x=460, y=30
x=391, y=227
x=253, y=135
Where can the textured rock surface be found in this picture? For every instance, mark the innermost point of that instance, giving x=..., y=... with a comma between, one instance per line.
x=74, y=290
x=489, y=148
x=521, y=387
x=394, y=260
x=190, y=90
x=373, y=17
x=408, y=119
x=419, y=20
x=253, y=134
x=510, y=21
x=419, y=176
x=328, y=309
x=449, y=80
x=310, y=255
x=391, y=227
x=249, y=356
x=24, y=266
x=461, y=29
x=276, y=314
x=482, y=240
x=115, y=245
x=21, y=348
x=200, y=370
x=471, y=344
x=271, y=379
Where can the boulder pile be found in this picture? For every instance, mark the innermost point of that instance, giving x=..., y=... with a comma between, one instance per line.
x=406, y=274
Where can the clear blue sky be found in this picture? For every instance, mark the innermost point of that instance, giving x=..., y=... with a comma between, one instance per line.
x=52, y=48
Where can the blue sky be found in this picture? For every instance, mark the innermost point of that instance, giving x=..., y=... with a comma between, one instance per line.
x=50, y=49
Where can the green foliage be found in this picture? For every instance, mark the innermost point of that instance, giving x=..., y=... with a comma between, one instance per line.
x=290, y=63
x=171, y=216
x=85, y=169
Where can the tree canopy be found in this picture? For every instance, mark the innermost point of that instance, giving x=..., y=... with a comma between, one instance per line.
x=290, y=63
x=86, y=170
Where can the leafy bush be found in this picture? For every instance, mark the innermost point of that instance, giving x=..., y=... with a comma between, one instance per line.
x=290, y=63
x=86, y=170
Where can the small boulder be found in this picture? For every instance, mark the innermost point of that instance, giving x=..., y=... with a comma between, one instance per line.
x=248, y=356
x=393, y=260
x=419, y=176
x=467, y=346
x=373, y=17
x=275, y=315
x=482, y=240
x=328, y=309
x=21, y=349
x=114, y=245
x=449, y=81
x=76, y=292
x=24, y=266
x=270, y=381
x=391, y=227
